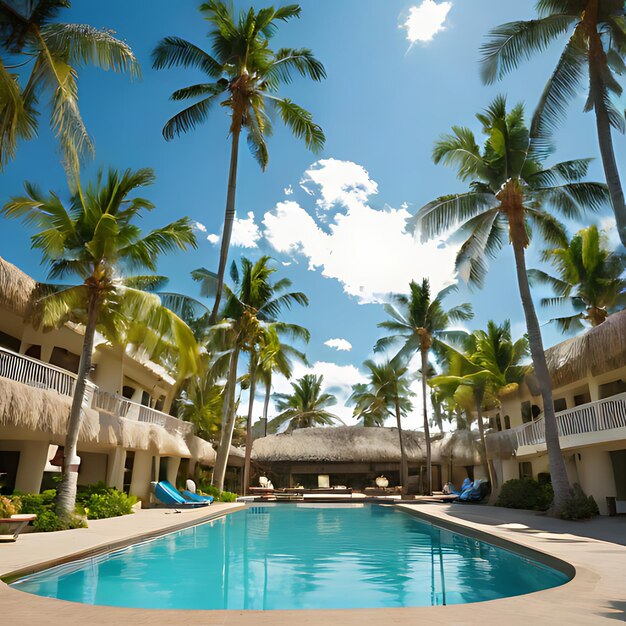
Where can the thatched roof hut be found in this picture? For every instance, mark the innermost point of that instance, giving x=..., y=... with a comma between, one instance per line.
x=460, y=447
x=597, y=351
x=16, y=288
x=342, y=444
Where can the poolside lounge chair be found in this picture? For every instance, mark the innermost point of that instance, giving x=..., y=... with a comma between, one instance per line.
x=11, y=527
x=473, y=493
x=166, y=493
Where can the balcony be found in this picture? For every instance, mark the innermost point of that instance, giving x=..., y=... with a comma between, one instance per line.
x=586, y=419
x=29, y=371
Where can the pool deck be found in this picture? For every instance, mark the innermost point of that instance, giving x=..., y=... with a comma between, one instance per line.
x=596, y=595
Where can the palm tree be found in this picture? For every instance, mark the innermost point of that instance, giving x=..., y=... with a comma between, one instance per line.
x=389, y=387
x=590, y=278
x=370, y=409
x=596, y=46
x=253, y=306
x=509, y=189
x=422, y=324
x=246, y=74
x=305, y=406
x=30, y=37
x=489, y=368
x=276, y=356
x=96, y=239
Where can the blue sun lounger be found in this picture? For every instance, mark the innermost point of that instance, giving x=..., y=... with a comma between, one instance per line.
x=166, y=493
x=196, y=497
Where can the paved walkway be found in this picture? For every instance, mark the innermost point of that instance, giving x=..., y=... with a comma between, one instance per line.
x=596, y=595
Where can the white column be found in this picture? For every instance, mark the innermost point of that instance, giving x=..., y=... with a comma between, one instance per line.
x=173, y=463
x=115, y=468
x=33, y=458
x=142, y=475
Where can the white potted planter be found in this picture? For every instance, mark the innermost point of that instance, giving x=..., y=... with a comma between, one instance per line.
x=382, y=482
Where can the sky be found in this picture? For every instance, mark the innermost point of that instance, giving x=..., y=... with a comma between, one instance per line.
x=400, y=74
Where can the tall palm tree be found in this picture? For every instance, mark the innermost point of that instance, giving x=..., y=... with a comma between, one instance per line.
x=369, y=407
x=305, y=406
x=30, y=37
x=590, y=278
x=96, y=238
x=255, y=303
x=489, y=367
x=422, y=324
x=276, y=356
x=245, y=74
x=389, y=385
x=596, y=46
x=510, y=191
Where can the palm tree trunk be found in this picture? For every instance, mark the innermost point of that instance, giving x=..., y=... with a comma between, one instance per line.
x=229, y=219
x=558, y=473
x=598, y=63
x=404, y=467
x=246, y=466
x=483, y=443
x=66, y=492
x=429, y=467
x=228, y=422
x=266, y=403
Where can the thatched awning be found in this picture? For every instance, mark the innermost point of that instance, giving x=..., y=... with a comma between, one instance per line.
x=16, y=288
x=343, y=444
x=599, y=350
x=201, y=450
x=460, y=447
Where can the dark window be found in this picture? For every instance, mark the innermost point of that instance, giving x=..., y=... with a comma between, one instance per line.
x=34, y=352
x=145, y=398
x=611, y=389
x=8, y=471
x=10, y=342
x=507, y=422
x=560, y=404
x=128, y=469
x=128, y=391
x=526, y=414
x=492, y=423
x=498, y=422
x=65, y=359
x=582, y=398
x=525, y=470
x=158, y=405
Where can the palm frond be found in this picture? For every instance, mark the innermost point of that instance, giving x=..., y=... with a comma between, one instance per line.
x=177, y=52
x=301, y=123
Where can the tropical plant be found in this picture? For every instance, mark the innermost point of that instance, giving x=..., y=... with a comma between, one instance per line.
x=590, y=278
x=246, y=74
x=276, y=356
x=489, y=367
x=305, y=406
x=369, y=407
x=253, y=306
x=96, y=239
x=509, y=192
x=30, y=37
x=596, y=45
x=389, y=387
x=422, y=324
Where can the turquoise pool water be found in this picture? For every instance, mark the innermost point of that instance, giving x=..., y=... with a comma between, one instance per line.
x=293, y=556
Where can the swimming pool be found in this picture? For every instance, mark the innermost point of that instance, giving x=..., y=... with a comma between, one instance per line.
x=299, y=556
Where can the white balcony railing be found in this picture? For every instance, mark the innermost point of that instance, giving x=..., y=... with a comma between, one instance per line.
x=120, y=406
x=29, y=371
x=596, y=416
x=34, y=373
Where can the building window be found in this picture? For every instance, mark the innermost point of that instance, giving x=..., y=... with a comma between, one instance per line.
x=582, y=398
x=526, y=470
x=498, y=422
x=65, y=359
x=128, y=391
x=507, y=422
x=560, y=404
x=526, y=414
x=9, y=342
x=611, y=389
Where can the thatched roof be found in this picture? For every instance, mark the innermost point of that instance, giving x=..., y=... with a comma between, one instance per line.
x=201, y=450
x=346, y=444
x=599, y=350
x=461, y=447
x=16, y=288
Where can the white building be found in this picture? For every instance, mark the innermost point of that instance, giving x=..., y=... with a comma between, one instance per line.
x=127, y=438
x=589, y=390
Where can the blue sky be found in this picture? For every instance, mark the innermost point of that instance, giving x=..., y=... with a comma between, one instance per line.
x=332, y=221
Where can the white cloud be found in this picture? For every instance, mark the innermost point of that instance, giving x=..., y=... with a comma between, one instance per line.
x=426, y=20
x=365, y=249
x=339, y=344
x=288, y=190
x=609, y=227
x=245, y=233
x=199, y=226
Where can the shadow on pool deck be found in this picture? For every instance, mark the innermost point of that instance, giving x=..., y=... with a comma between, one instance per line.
x=611, y=529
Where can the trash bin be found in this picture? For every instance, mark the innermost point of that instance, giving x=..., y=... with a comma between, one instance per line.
x=611, y=504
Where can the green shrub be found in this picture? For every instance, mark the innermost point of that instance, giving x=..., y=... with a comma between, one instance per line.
x=578, y=506
x=219, y=496
x=37, y=503
x=111, y=503
x=525, y=493
x=9, y=506
x=49, y=521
